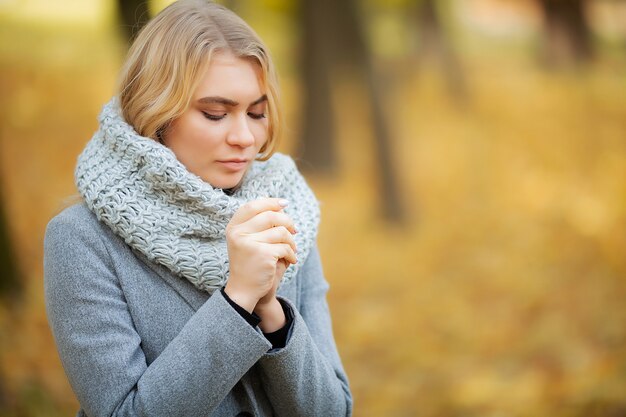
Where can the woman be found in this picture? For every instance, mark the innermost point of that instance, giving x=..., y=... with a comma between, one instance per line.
x=188, y=283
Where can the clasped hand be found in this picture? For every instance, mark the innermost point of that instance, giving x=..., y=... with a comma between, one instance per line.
x=260, y=248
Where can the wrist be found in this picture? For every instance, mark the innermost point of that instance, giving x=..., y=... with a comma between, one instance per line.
x=241, y=298
x=271, y=314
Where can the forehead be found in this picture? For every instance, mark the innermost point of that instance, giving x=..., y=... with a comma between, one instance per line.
x=231, y=77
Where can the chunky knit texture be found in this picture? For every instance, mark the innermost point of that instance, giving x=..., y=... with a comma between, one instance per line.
x=138, y=188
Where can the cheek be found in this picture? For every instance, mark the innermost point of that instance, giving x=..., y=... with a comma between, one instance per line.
x=202, y=134
x=261, y=133
x=191, y=137
x=208, y=135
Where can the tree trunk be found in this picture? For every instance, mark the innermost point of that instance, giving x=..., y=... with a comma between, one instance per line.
x=338, y=27
x=568, y=35
x=317, y=150
x=9, y=277
x=133, y=15
x=433, y=40
x=350, y=40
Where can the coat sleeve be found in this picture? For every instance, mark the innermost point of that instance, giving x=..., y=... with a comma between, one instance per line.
x=306, y=377
x=101, y=350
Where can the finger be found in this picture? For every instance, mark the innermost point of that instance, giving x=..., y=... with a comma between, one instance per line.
x=278, y=234
x=284, y=251
x=281, y=267
x=252, y=208
x=267, y=220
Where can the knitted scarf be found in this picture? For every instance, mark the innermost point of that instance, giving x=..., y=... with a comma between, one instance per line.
x=138, y=188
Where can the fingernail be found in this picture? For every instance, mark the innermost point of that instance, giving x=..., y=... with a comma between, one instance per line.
x=294, y=231
x=283, y=203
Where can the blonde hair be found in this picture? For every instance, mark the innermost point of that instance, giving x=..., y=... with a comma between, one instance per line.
x=172, y=52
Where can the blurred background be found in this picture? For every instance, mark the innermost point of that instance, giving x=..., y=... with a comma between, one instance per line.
x=470, y=159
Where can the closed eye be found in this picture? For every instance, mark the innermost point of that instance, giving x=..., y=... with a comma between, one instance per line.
x=256, y=116
x=213, y=116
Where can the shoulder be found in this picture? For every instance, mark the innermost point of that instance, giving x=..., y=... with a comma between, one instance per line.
x=78, y=252
x=74, y=226
x=78, y=216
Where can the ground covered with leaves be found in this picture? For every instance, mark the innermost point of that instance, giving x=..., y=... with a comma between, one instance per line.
x=502, y=293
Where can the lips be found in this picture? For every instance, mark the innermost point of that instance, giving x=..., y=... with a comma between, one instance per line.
x=234, y=164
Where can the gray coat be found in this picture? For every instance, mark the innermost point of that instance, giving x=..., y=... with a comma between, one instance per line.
x=136, y=340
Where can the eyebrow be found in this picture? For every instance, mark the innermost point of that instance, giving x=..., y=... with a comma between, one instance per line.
x=229, y=102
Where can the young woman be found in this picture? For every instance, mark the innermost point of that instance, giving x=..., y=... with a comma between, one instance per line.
x=188, y=283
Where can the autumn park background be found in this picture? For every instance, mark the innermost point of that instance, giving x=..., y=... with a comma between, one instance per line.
x=470, y=158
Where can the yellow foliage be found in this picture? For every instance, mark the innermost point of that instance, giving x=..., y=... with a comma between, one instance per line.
x=502, y=295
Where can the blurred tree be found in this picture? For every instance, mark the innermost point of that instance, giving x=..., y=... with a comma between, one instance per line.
x=333, y=36
x=9, y=277
x=433, y=40
x=133, y=15
x=317, y=144
x=5, y=397
x=568, y=35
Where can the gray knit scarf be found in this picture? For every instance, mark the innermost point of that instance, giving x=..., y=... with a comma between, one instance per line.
x=138, y=188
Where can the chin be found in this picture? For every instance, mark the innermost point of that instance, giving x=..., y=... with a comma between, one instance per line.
x=224, y=183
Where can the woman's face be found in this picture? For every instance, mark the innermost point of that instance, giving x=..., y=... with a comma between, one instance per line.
x=225, y=126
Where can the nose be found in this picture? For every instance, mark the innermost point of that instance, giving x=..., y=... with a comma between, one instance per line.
x=240, y=133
